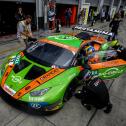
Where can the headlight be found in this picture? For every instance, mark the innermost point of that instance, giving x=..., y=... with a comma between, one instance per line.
x=40, y=92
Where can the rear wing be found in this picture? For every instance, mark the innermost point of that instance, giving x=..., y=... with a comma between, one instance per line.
x=97, y=31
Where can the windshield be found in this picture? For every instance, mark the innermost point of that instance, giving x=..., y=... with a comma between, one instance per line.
x=49, y=55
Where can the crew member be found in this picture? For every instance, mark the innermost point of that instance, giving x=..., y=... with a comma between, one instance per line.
x=24, y=31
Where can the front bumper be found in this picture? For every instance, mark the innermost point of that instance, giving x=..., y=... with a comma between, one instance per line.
x=42, y=107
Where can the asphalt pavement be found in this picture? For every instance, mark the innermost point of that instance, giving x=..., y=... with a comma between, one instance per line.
x=73, y=113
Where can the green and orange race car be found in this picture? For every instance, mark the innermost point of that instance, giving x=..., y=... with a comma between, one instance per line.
x=44, y=75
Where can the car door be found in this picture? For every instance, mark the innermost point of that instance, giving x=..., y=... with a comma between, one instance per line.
x=107, y=64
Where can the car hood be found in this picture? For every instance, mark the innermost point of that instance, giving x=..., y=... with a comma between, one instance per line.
x=19, y=80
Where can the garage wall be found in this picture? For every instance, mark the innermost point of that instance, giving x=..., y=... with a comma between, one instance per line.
x=28, y=1
x=75, y=2
x=92, y=3
x=107, y=2
x=116, y=2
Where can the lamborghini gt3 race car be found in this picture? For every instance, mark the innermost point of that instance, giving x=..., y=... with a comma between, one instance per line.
x=43, y=76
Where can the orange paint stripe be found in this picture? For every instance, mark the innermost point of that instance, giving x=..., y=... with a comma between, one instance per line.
x=107, y=64
x=37, y=82
x=7, y=72
x=60, y=45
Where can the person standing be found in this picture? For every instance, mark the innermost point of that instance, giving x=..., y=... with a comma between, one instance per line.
x=114, y=25
x=68, y=14
x=51, y=18
x=122, y=13
x=19, y=15
x=92, y=17
x=102, y=15
x=24, y=31
x=80, y=16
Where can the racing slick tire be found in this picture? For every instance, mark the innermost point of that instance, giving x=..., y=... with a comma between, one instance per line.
x=70, y=90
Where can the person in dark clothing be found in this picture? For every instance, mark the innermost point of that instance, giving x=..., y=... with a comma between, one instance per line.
x=19, y=15
x=122, y=13
x=102, y=15
x=51, y=18
x=94, y=92
x=68, y=14
x=92, y=17
x=114, y=24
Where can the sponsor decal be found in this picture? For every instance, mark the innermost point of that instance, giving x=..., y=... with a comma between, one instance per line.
x=93, y=30
x=35, y=99
x=37, y=105
x=9, y=90
x=63, y=37
x=14, y=60
x=16, y=79
x=49, y=74
x=94, y=73
x=35, y=46
x=111, y=72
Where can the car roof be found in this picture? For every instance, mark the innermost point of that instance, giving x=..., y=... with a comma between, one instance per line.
x=66, y=40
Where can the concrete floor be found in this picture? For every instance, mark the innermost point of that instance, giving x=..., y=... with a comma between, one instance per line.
x=73, y=113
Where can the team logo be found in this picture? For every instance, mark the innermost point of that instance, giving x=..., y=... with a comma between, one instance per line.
x=63, y=37
x=111, y=72
x=16, y=79
x=35, y=105
x=14, y=60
